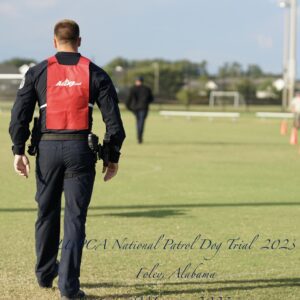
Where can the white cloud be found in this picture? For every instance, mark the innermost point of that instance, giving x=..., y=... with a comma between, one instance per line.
x=264, y=41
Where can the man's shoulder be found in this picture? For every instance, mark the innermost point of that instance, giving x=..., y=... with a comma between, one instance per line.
x=96, y=69
x=36, y=70
x=146, y=88
x=98, y=73
x=134, y=88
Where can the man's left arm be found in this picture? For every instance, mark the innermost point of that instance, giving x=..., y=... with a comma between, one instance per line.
x=107, y=101
x=150, y=98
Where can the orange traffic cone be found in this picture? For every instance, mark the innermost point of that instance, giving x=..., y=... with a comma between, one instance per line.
x=294, y=136
x=283, y=127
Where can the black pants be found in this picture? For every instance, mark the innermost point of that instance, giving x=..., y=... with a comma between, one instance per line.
x=67, y=166
x=141, y=116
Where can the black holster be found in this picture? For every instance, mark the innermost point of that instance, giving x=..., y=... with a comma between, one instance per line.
x=100, y=151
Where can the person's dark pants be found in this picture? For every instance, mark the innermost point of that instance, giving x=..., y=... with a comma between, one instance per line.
x=141, y=116
x=67, y=166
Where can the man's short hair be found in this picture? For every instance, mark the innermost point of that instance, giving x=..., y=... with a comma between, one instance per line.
x=67, y=31
x=140, y=78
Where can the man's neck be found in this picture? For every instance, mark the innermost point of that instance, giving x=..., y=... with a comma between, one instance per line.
x=67, y=49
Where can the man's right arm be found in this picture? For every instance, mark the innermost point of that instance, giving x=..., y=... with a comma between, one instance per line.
x=22, y=113
x=21, y=116
x=150, y=97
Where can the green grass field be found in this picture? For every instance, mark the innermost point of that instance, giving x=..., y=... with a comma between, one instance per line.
x=220, y=179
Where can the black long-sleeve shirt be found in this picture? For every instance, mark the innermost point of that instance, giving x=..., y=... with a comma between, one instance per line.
x=139, y=98
x=33, y=90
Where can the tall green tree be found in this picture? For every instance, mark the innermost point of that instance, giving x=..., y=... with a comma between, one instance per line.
x=254, y=71
x=233, y=69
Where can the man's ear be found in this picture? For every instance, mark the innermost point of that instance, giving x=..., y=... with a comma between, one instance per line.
x=79, y=42
x=55, y=43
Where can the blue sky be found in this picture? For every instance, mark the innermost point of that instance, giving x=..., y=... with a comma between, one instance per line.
x=247, y=31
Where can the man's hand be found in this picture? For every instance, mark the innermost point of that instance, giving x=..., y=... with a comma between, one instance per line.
x=111, y=171
x=21, y=165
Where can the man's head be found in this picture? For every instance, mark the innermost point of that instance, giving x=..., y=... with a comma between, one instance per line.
x=139, y=81
x=67, y=36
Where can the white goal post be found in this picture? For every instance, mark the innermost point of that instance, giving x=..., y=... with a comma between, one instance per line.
x=235, y=95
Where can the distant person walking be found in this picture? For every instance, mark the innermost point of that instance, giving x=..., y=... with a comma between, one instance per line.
x=295, y=108
x=140, y=96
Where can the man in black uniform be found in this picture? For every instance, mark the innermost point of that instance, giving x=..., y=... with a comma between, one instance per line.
x=66, y=87
x=140, y=96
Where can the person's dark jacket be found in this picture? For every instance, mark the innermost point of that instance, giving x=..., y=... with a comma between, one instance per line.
x=33, y=91
x=139, y=98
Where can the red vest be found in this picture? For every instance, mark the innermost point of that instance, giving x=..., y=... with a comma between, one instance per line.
x=67, y=98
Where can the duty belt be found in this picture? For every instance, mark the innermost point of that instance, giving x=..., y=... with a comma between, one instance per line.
x=64, y=137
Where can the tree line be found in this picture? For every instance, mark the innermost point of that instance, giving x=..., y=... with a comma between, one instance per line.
x=183, y=80
x=186, y=81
